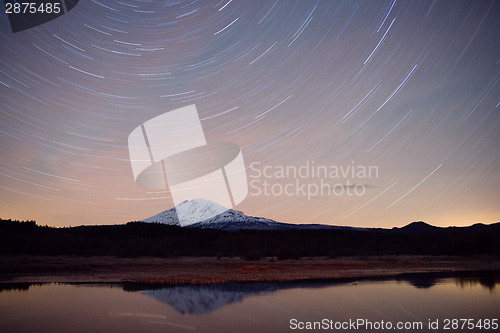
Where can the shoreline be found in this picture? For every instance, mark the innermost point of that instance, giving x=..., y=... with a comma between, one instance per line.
x=210, y=270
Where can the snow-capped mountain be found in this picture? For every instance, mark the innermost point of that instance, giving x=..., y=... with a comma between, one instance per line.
x=201, y=213
x=188, y=212
x=166, y=217
x=204, y=299
x=236, y=220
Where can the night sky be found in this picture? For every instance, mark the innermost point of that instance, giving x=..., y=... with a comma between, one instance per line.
x=411, y=87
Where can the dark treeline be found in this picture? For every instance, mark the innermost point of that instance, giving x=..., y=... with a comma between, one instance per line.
x=151, y=239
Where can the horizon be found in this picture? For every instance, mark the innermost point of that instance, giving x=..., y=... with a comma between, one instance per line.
x=141, y=221
x=389, y=227
x=173, y=209
x=358, y=114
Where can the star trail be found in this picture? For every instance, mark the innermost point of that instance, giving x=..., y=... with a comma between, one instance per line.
x=411, y=87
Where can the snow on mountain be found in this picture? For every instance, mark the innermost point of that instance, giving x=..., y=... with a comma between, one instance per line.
x=204, y=299
x=201, y=213
x=235, y=220
x=193, y=211
x=188, y=212
x=166, y=217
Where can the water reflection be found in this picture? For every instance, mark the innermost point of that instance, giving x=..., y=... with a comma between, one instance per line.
x=486, y=279
x=243, y=307
x=204, y=299
x=22, y=286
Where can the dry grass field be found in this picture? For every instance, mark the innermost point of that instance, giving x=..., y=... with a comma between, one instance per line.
x=199, y=270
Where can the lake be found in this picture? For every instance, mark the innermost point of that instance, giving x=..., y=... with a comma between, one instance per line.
x=466, y=303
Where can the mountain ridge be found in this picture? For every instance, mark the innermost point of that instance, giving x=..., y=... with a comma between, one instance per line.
x=227, y=219
x=159, y=240
x=234, y=220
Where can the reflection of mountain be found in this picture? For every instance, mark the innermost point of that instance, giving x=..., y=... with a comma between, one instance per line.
x=18, y=286
x=422, y=282
x=203, y=299
x=486, y=279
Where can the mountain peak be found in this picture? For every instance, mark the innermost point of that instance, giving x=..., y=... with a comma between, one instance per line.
x=419, y=226
x=188, y=212
x=197, y=210
x=199, y=202
x=202, y=213
x=206, y=214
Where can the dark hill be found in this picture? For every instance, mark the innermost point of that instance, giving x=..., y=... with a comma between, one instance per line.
x=154, y=239
x=419, y=227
